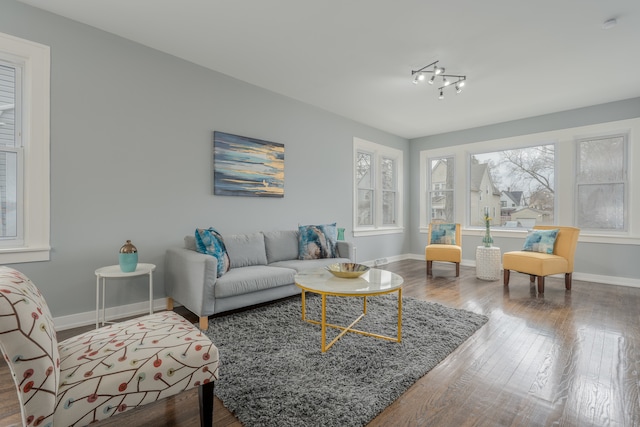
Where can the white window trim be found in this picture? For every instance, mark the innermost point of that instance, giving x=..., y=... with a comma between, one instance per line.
x=379, y=151
x=565, y=176
x=35, y=59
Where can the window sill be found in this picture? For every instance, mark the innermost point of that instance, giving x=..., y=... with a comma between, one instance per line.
x=585, y=237
x=377, y=231
x=19, y=255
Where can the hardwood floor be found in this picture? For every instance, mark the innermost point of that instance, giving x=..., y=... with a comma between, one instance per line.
x=568, y=358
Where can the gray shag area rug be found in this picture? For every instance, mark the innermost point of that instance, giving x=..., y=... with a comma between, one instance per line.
x=272, y=372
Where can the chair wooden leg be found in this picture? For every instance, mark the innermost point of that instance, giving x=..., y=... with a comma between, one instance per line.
x=567, y=281
x=204, y=323
x=541, y=284
x=457, y=269
x=506, y=277
x=429, y=267
x=169, y=304
x=205, y=395
x=532, y=278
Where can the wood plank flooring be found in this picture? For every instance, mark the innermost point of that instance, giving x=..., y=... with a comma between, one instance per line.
x=568, y=358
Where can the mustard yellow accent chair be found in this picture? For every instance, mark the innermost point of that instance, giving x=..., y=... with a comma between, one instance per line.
x=444, y=252
x=539, y=265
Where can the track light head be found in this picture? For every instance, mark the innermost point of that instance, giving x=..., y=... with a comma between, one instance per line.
x=458, y=88
x=445, y=82
x=432, y=79
x=437, y=70
x=441, y=95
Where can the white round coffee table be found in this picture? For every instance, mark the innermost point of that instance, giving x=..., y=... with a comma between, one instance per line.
x=372, y=283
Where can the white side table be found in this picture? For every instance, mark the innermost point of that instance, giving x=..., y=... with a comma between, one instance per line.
x=113, y=271
x=488, y=263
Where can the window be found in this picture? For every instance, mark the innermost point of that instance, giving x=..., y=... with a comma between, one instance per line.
x=601, y=183
x=378, y=188
x=24, y=150
x=526, y=175
x=10, y=151
x=440, y=184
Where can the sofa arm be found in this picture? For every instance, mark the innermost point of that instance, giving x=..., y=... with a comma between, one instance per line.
x=345, y=249
x=190, y=278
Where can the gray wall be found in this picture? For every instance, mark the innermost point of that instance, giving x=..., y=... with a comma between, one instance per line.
x=131, y=158
x=591, y=258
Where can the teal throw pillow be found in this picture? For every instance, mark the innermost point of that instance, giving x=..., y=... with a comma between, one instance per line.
x=443, y=234
x=540, y=241
x=317, y=241
x=210, y=242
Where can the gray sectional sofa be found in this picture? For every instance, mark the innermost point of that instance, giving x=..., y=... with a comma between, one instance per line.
x=262, y=268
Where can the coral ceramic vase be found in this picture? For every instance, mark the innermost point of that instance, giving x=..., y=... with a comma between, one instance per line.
x=128, y=257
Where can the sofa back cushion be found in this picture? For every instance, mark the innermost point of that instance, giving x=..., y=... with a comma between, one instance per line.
x=190, y=242
x=281, y=245
x=246, y=249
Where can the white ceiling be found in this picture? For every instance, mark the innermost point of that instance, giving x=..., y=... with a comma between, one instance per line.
x=354, y=57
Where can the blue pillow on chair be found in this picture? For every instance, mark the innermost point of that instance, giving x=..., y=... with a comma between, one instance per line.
x=443, y=234
x=540, y=241
x=210, y=242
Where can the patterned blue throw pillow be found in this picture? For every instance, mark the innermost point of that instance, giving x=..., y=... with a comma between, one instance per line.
x=209, y=241
x=540, y=241
x=443, y=234
x=317, y=241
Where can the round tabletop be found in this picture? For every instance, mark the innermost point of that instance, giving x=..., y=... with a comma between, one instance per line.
x=374, y=281
x=115, y=271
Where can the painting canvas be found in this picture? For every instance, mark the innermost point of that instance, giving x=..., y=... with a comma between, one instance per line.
x=245, y=166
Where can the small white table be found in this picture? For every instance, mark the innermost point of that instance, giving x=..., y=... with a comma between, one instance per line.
x=114, y=271
x=488, y=263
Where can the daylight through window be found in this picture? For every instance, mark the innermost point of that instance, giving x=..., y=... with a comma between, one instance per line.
x=515, y=187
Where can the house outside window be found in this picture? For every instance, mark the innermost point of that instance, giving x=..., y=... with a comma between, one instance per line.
x=378, y=188
x=440, y=195
x=601, y=183
x=24, y=150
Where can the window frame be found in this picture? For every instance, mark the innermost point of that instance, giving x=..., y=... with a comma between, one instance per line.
x=625, y=181
x=378, y=152
x=425, y=189
x=35, y=60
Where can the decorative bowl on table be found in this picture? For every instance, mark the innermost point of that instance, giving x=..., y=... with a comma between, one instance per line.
x=347, y=270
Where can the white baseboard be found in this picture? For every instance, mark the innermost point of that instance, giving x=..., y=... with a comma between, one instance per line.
x=607, y=280
x=111, y=313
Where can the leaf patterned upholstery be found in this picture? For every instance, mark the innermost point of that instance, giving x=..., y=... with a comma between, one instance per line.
x=101, y=373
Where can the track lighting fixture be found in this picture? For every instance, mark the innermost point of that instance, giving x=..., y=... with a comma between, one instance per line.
x=419, y=75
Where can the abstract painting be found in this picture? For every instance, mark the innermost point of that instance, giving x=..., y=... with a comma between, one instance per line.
x=245, y=166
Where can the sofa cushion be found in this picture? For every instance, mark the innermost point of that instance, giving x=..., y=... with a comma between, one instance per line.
x=317, y=241
x=244, y=280
x=246, y=249
x=308, y=264
x=281, y=245
x=190, y=242
x=210, y=242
